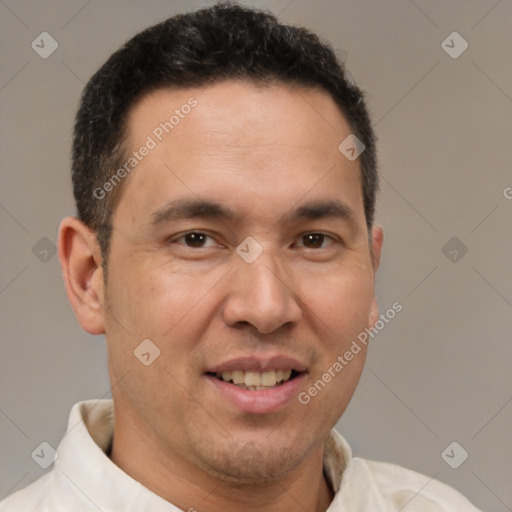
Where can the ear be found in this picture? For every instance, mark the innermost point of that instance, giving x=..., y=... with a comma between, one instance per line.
x=376, y=248
x=80, y=259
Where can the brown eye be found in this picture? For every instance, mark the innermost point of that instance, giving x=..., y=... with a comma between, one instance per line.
x=315, y=240
x=196, y=240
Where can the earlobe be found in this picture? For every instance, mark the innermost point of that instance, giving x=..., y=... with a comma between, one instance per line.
x=377, y=241
x=373, y=316
x=80, y=259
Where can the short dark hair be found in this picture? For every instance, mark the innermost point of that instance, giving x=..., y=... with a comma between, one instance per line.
x=226, y=41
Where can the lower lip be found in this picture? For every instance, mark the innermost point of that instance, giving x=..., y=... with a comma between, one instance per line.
x=259, y=402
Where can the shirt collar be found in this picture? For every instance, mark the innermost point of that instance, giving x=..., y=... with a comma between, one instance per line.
x=83, y=464
x=83, y=468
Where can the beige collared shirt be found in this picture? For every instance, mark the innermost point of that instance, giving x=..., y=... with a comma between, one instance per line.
x=84, y=479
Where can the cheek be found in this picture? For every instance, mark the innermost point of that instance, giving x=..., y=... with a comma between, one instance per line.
x=342, y=302
x=155, y=302
x=163, y=309
x=172, y=309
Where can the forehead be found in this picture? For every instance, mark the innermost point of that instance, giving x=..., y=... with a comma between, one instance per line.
x=240, y=112
x=235, y=141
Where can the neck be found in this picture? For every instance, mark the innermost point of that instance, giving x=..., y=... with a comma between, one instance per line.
x=192, y=489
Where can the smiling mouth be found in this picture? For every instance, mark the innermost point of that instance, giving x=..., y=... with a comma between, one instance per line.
x=256, y=381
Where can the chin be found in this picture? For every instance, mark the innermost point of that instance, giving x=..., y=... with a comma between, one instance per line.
x=251, y=462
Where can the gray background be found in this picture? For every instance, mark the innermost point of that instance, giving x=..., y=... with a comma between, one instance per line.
x=441, y=370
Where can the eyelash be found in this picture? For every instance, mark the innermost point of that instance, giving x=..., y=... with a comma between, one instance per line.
x=179, y=237
x=325, y=235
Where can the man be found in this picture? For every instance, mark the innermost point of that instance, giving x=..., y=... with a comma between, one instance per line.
x=224, y=171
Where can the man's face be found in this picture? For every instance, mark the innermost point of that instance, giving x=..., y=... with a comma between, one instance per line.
x=244, y=162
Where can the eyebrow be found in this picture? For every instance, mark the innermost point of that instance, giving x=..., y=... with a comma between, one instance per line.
x=324, y=209
x=199, y=208
x=191, y=209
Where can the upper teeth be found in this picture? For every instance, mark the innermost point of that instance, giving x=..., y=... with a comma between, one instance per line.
x=259, y=379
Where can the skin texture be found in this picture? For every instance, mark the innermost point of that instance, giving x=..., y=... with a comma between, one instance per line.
x=262, y=152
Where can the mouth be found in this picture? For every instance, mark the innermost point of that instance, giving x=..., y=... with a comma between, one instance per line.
x=255, y=385
x=256, y=381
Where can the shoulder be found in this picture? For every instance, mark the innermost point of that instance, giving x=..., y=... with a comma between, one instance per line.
x=34, y=497
x=81, y=451
x=399, y=486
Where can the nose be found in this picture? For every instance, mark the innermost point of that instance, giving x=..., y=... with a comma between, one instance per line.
x=261, y=294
